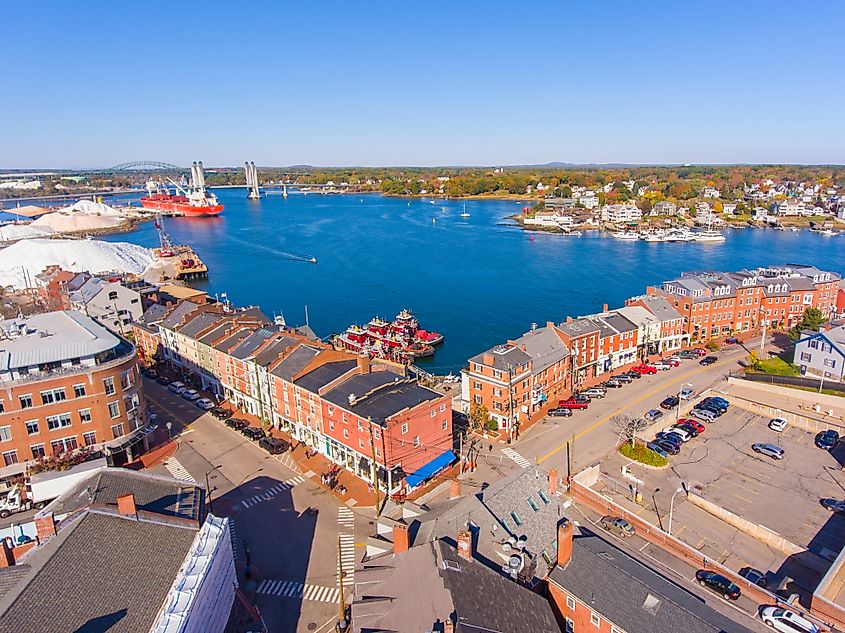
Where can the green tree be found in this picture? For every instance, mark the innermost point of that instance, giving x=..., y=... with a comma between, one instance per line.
x=812, y=319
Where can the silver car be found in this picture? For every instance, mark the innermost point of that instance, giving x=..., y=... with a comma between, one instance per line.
x=771, y=450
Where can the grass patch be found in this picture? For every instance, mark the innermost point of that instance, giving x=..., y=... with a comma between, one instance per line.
x=642, y=454
x=827, y=392
x=776, y=366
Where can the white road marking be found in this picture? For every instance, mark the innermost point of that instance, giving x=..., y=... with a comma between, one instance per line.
x=272, y=492
x=175, y=468
x=292, y=589
x=519, y=459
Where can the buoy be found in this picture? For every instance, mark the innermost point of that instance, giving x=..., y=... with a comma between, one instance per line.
x=531, y=239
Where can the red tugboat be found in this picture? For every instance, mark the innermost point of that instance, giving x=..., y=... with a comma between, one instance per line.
x=194, y=201
x=400, y=341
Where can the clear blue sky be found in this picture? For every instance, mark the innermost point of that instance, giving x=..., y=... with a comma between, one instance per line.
x=92, y=84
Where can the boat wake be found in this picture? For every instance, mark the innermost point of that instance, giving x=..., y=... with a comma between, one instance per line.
x=274, y=251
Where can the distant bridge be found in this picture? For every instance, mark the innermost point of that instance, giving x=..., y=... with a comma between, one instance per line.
x=145, y=165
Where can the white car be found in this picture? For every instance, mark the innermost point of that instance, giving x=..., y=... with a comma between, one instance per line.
x=177, y=387
x=685, y=437
x=205, y=404
x=686, y=393
x=662, y=366
x=777, y=424
x=703, y=415
x=190, y=394
x=787, y=621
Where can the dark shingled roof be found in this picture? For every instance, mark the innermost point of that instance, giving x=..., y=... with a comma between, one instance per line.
x=199, y=323
x=617, y=586
x=379, y=395
x=247, y=347
x=102, y=572
x=294, y=362
x=274, y=350
x=178, y=313
x=504, y=357
x=317, y=378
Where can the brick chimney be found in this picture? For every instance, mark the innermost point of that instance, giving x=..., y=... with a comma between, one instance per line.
x=45, y=526
x=487, y=359
x=550, y=324
x=604, y=308
x=364, y=364
x=569, y=319
x=401, y=538
x=126, y=505
x=553, y=481
x=465, y=544
x=565, y=532
x=7, y=558
x=454, y=489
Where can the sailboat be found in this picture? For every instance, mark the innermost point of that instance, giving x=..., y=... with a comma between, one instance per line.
x=464, y=213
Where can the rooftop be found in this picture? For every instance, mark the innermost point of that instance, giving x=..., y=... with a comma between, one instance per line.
x=505, y=357
x=544, y=346
x=326, y=373
x=378, y=395
x=294, y=362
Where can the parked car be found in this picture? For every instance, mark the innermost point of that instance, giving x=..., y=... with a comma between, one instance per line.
x=253, y=432
x=162, y=380
x=731, y=340
x=686, y=393
x=594, y=392
x=716, y=401
x=684, y=435
x=753, y=575
x=618, y=525
x=655, y=446
x=623, y=378
x=644, y=369
x=770, y=450
x=177, y=387
x=686, y=427
x=834, y=505
x=190, y=394
x=205, y=404
x=662, y=366
x=652, y=415
x=668, y=436
x=237, y=423
x=781, y=619
x=560, y=413
x=635, y=375
x=705, y=415
x=778, y=424
x=707, y=360
x=718, y=583
x=698, y=426
x=669, y=403
x=612, y=384
x=672, y=361
x=827, y=439
x=150, y=373
x=699, y=351
x=669, y=447
x=581, y=397
x=572, y=403
x=709, y=406
x=222, y=414
x=687, y=354
x=273, y=445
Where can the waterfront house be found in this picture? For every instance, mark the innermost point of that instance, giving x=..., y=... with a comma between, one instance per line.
x=648, y=328
x=549, y=219
x=664, y=207
x=729, y=208
x=618, y=213
x=582, y=338
x=672, y=335
x=790, y=208
x=822, y=354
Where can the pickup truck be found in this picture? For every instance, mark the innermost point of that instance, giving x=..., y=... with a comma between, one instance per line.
x=645, y=369
x=572, y=403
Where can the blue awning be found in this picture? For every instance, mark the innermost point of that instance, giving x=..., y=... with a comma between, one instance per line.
x=430, y=469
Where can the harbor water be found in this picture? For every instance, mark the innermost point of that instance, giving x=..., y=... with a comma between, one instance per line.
x=479, y=280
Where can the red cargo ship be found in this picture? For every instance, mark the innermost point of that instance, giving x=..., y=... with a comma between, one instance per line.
x=191, y=201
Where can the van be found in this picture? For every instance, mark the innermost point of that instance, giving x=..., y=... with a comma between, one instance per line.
x=786, y=620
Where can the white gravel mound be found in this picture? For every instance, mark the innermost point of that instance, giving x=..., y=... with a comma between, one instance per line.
x=89, y=207
x=14, y=232
x=94, y=256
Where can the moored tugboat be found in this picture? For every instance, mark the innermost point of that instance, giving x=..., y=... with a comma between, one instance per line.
x=400, y=341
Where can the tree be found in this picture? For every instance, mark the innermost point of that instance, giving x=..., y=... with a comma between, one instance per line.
x=479, y=417
x=628, y=427
x=810, y=320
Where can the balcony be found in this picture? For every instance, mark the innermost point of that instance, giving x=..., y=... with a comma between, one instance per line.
x=112, y=358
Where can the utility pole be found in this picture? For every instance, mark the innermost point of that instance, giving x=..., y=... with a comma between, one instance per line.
x=461, y=453
x=375, y=467
x=342, y=624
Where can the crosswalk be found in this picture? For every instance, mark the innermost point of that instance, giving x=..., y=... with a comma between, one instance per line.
x=293, y=589
x=345, y=518
x=347, y=559
x=272, y=492
x=519, y=459
x=175, y=468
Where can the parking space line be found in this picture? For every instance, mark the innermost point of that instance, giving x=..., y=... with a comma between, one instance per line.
x=681, y=529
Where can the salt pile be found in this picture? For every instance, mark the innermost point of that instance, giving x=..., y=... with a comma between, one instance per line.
x=22, y=261
x=14, y=232
x=84, y=215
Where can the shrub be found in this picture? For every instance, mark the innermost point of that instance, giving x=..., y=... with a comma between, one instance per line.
x=642, y=454
x=713, y=346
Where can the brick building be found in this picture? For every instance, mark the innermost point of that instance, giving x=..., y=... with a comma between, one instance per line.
x=65, y=383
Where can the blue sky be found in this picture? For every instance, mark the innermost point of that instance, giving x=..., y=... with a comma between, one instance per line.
x=92, y=84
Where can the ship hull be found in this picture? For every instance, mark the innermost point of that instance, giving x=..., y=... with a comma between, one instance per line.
x=170, y=205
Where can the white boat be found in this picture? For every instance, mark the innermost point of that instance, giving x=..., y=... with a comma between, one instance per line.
x=464, y=213
x=709, y=235
x=626, y=235
x=826, y=232
x=655, y=236
x=679, y=235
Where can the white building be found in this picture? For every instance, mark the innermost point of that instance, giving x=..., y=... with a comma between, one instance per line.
x=790, y=207
x=621, y=213
x=550, y=219
x=822, y=353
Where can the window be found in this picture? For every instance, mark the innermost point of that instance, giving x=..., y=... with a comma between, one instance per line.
x=416, y=441
x=516, y=519
x=570, y=625
x=26, y=401
x=806, y=357
x=117, y=430
x=595, y=620
x=113, y=295
x=360, y=443
x=830, y=362
x=615, y=629
x=114, y=410
x=570, y=603
x=79, y=391
x=89, y=439
x=85, y=415
x=444, y=425
x=52, y=395
x=126, y=379
x=63, y=445
x=2, y=407
x=58, y=421
x=478, y=399
x=32, y=427
x=497, y=392
x=376, y=434
x=10, y=457
x=360, y=425
x=108, y=384
x=5, y=433
x=346, y=434
x=37, y=451
x=405, y=428
x=442, y=408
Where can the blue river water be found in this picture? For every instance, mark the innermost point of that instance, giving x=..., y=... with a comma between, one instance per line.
x=479, y=280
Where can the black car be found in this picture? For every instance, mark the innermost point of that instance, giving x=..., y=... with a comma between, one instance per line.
x=273, y=445
x=237, y=423
x=669, y=403
x=150, y=373
x=718, y=583
x=633, y=374
x=253, y=432
x=669, y=447
x=611, y=384
x=753, y=575
x=706, y=406
x=581, y=398
x=222, y=414
x=716, y=403
x=688, y=428
x=560, y=413
x=623, y=378
x=707, y=360
x=827, y=439
x=162, y=380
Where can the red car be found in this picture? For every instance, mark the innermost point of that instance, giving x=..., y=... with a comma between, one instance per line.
x=700, y=351
x=572, y=403
x=672, y=362
x=698, y=426
x=645, y=369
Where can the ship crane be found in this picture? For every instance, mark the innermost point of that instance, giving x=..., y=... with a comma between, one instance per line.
x=165, y=244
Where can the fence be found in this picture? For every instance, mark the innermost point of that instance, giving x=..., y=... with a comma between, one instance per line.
x=793, y=381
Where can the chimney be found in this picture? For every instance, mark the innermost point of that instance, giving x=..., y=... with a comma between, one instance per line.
x=401, y=538
x=7, y=558
x=465, y=544
x=604, y=308
x=454, y=489
x=126, y=505
x=565, y=532
x=487, y=359
x=45, y=526
x=553, y=481
x=364, y=364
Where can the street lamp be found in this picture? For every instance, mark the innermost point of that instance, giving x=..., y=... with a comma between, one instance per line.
x=681, y=488
x=656, y=511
